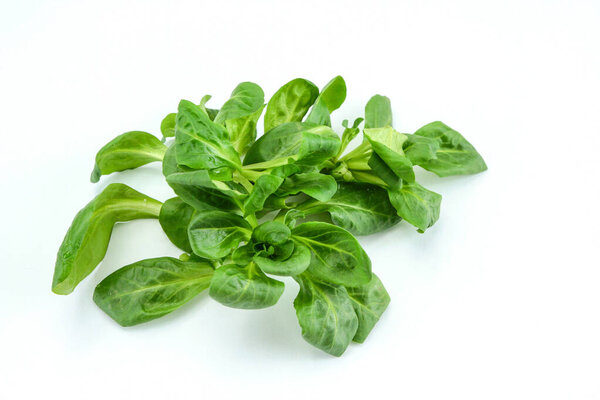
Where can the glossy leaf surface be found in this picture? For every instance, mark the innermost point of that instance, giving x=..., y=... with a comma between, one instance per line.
x=201, y=143
x=201, y=192
x=86, y=241
x=417, y=205
x=265, y=186
x=151, y=288
x=175, y=216
x=455, y=156
x=319, y=186
x=127, y=151
x=360, y=208
x=337, y=256
x=330, y=99
x=326, y=315
x=215, y=234
x=240, y=114
x=290, y=103
x=244, y=287
x=369, y=302
x=298, y=141
x=295, y=264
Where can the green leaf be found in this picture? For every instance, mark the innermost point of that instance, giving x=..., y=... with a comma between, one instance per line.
x=455, y=156
x=175, y=216
x=337, y=256
x=290, y=103
x=244, y=287
x=211, y=112
x=246, y=99
x=360, y=208
x=297, y=141
x=415, y=204
x=378, y=112
x=330, y=99
x=240, y=114
x=295, y=264
x=387, y=146
x=265, y=186
x=86, y=241
x=127, y=151
x=201, y=192
x=215, y=234
x=319, y=186
x=201, y=143
x=325, y=314
x=369, y=302
x=271, y=232
x=149, y=289
x=167, y=126
x=242, y=131
x=420, y=149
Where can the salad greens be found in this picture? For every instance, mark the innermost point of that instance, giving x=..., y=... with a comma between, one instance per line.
x=249, y=214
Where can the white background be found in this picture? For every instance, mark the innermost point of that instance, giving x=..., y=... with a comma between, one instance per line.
x=500, y=300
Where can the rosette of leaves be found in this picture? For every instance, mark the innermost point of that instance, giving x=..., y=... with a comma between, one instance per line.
x=249, y=214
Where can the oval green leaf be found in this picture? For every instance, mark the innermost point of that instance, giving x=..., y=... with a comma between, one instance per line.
x=326, y=315
x=337, y=256
x=151, y=288
x=215, y=234
x=290, y=103
x=244, y=287
x=127, y=151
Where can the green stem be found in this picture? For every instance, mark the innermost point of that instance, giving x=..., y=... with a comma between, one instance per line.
x=268, y=164
x=238, y=177
x=252, y=175
x=252, y=220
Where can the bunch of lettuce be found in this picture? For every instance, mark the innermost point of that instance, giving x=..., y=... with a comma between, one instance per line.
x=247, y=211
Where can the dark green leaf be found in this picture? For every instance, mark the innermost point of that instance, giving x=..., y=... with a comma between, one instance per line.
x=244, y=287
x=149, y=289
x=378, y=112
x=265, y=186
x=369, y=302
x=175, y=216
x=297, y=141
x=271, y=232
x=337, y=256
x=201, y=143
x=360, y=208
x=326, y=315
x=201, y=192
x=319, y=186
x=330, y=99
x=215, y=234
x=127, y=151
x=420, y=149
x=455, y=156
x=295, y=264
x=290, y=103
x=417, y=205
x=86, y=241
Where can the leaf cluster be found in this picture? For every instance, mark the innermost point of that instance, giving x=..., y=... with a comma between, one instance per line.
x=249, y=211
